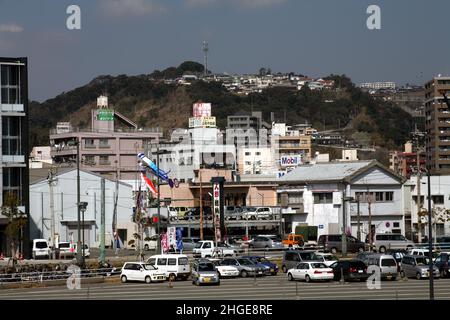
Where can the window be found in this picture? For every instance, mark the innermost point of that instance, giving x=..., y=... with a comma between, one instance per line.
x=172, y=262
x=396, y=224
x=89, y=143
x=389, y=196
x=151, y=261
x=11, y=128
x=162, y=261
x=379, y=196
x=438, y=199
x=295, y=198
x=103, y=143
x=248, y=153
x=258, y=153
x=325, y=197
x=10, y=84
x=104, y=160
x=89, y=160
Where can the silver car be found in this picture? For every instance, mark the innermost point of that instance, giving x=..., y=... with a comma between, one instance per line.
x=204, y=272
x=418, y=267
x=246, y=267
x=386, y=264
x=266, y=242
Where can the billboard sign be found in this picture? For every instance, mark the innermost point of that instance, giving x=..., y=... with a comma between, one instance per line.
x=216, y=207
x=105, y=115
x=202, y=122
x=290, y=161
x=172, y=237
x=201, y=109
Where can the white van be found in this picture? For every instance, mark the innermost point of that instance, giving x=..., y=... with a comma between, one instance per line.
x=387, y=264
x=41, y=249
x=173, y=265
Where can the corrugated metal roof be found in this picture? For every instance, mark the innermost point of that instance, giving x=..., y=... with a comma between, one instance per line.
x=325, y=171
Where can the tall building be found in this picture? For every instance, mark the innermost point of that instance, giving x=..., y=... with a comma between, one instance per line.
x=437, y=125
x=14, y=143
x=109, y=147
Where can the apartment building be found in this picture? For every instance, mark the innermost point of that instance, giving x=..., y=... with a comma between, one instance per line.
x=14, y=142
x=437, y=125
x=109, y=147
x=290, y=142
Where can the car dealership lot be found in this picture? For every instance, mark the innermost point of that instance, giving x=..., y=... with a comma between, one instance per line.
x=275, y=287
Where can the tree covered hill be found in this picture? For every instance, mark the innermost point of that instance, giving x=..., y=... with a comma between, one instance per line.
x=151, y=102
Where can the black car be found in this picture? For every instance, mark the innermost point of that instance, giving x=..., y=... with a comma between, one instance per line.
x=350, y=270
x=442, y=263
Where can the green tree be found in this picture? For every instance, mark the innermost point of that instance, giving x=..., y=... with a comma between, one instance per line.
x=15, y=226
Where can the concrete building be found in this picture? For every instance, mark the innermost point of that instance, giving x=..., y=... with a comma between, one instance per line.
x=290, y=142
x=313, y=195
x=405, y=163
x=437, y=125
x=190, y=150
x=378, y=85
x=440, y=203
x=108, y=148
x=256, y=161
x=40, y=157
x=14, y=141
x=65, y=206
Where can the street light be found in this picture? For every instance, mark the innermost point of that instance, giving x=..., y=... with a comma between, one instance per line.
x=344, y=234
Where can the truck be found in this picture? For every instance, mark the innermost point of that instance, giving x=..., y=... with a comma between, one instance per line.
x=293, y=241
x=309, y=234
x=208, y=249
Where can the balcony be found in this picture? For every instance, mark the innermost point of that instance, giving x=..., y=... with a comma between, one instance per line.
x=12, y=107
x=13, y=159
x=63, y=150
x=104, y=162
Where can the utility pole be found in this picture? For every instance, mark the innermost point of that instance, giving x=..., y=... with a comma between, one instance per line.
x=201, y=204
x=369, y=204
x=79, y=258
x=116, y=198
x=344, y=234
x=430, y=238
x=50, y=180
x=205, y=51
x=102, y=222
x=419, y=200
x=358, y=232
x=159, y=201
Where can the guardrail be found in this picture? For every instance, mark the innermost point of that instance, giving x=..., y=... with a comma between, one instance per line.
x=48, y=276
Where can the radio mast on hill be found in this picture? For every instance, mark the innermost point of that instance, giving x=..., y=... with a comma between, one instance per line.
x=205, y=51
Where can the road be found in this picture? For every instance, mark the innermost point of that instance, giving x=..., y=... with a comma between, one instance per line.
x=275, y=287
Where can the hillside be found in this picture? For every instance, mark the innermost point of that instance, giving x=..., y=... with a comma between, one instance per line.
x=150, y=102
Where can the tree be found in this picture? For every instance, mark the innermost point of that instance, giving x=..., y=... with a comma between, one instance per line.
x=16, y=223
x=262, y=71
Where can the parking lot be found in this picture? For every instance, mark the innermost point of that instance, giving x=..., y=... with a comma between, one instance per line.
x=274, y=287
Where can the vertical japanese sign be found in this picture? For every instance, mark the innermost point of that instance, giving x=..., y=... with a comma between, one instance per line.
x=216, y=202
x=171, y=237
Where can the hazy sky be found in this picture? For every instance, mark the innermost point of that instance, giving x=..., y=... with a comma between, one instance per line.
x=313, y=37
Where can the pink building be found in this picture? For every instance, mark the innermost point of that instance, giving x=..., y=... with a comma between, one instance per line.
x=108, y=148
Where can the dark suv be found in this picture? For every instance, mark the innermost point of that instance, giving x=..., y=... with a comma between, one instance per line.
x=292, y=258
x=333, y=243
x=350, y=270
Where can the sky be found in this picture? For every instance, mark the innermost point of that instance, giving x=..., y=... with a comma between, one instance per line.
x=310, y=37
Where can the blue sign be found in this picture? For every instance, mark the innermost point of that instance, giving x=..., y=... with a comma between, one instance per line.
x=320, y=226
x=179, y=237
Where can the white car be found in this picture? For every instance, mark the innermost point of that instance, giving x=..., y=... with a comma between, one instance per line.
x=41, y=249
x=150, y=243
x=326, y=258
x=141, y=271
x=225, y=271
x=310, y=271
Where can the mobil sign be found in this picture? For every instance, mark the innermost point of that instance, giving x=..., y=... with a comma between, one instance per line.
x=290, y=161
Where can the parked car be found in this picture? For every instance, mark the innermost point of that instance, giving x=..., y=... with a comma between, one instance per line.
x=257, y=213
x=141, y=271
x=173, y=214
x=384, y=241
x=363, y=256
x=66, y=250
x=350, y=270
x=189, y=243
x=327, y=258
x=40, y=249
x=175, y=266
x=204, y=272
x=271, y=268
x=418, y=267
x=151, y=243
x=225, y=271
x=443, y=242
x=386, y=264
x=208, y=249
x=310, y=271
x=442, y=263
x=266, y=242
x=87, y=251
x=423, y=252
x=246, y=267
x=293, y=241
x=232, y=213
x=333, y=243
x=292, y=258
